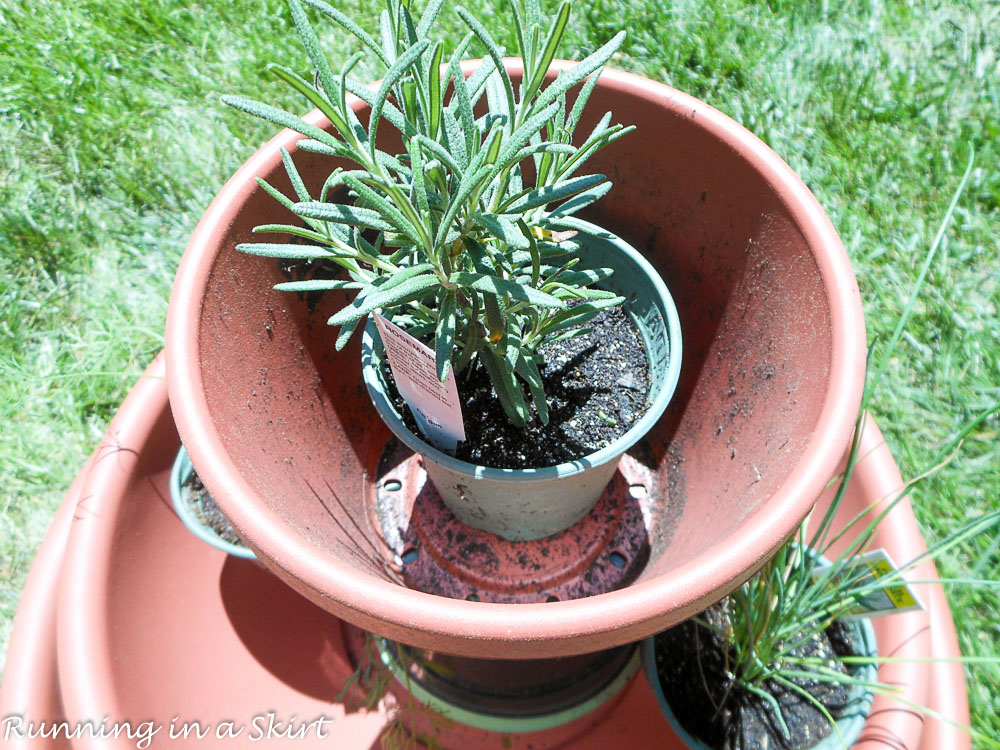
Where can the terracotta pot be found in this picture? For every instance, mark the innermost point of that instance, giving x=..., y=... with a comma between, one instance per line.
x=29, y=688
x=283, y=434
x=212, y=638
x=157, y=628
x=207, y=636
x=533, y=503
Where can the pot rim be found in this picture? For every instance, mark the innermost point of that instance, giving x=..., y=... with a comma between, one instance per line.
x=610, y=452
x=565, y=627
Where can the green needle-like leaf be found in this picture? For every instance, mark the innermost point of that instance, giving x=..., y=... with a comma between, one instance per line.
x=314, y=97
x=278, y=117
x=581, y=200
x=551, y=193
x=569, y=78
x=444, y=335
x=311, y=42
x=346, y=331
x=428, y=18
x=352, y=27
x=434, y=96
x=551, y=44
x=397, y=71
x=503, y=229
x=389, y=110
x=290, y=229
x=527, y=369
x=343, y=214
x=274, y=250
x=494, y=51
x=508, y=391
x=505, y=287
x=294, y=177
x=407, y=291
x=313, y=285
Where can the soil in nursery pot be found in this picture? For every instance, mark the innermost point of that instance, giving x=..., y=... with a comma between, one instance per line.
x=692, y=670
x=595, y=384
x=206, y=511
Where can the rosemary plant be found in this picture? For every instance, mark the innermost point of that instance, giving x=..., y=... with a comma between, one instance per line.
x=451, y=237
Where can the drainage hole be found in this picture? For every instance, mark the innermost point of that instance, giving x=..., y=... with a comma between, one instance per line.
x=392, y=485
x=472, y=598
x=552, y=598
x=638, y=491
x=618, y=560
x=410, y=555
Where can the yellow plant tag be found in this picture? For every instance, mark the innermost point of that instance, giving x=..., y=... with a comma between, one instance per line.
x=895, y=596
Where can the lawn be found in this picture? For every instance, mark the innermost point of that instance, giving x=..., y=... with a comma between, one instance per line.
x=113, y=141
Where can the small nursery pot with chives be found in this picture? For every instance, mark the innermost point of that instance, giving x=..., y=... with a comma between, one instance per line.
x=467, y=237
x=728, y=676
x=764, y=627
x=852, y=715
x=773, y=629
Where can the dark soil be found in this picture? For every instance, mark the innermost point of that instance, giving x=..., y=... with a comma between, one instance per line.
x=206, y=511
x=691, y=666
x=595, y=385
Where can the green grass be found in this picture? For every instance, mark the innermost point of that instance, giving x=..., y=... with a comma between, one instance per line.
x=112, y=142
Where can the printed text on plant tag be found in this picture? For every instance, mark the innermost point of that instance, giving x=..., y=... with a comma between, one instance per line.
x=435, y=405
x=866, y=571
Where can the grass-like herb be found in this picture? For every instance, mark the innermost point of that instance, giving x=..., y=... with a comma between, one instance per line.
x=112, y=143
x=798, y=593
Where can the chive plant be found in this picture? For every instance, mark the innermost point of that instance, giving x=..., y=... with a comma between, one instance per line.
x=451, y=238
x=796, y=596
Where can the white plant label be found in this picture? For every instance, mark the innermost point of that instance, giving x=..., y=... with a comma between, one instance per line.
x=895, y=596
x=434, y=404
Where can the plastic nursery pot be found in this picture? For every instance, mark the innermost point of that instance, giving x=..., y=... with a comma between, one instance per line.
x=282, y=430
x=534, y=503
x=853, y=715
x=179, y=475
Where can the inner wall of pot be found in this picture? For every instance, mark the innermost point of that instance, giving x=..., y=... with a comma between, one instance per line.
x=296, y=420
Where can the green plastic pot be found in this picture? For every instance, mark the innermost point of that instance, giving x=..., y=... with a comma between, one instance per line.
x=849, y=725
x=523, y=504
x=179, y=474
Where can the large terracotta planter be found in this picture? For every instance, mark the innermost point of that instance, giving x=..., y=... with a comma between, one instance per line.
x=153, y=625
x=284, y=436
x=30, y=678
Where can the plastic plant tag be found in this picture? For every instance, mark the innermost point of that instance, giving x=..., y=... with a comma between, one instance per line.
x=435, y=405
x=892, y=598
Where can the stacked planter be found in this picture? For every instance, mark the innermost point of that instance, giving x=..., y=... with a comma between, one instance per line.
x=127, y=615
x=282, y=432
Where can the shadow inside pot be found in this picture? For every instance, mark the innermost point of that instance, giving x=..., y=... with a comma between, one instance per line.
x=293, y=639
